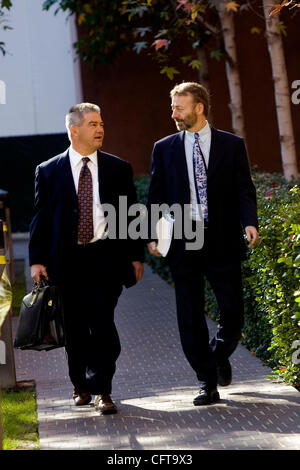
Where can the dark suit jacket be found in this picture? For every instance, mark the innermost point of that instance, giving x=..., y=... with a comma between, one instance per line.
x=53, y=230
x=230, y=191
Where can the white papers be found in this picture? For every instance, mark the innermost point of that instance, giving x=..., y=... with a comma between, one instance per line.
x=164, y=230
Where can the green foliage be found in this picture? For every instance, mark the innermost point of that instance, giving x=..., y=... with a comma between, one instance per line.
x=105, y=30
x=167, y=24
x=6, y=4
x=216, y=55
x=169, y=71
x=142, y=185
x=271, y=276
x=108, y=28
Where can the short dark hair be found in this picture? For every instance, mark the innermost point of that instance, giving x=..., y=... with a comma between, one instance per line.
x=198, y=92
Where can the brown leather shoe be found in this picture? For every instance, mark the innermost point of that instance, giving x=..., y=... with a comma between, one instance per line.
x=81, y=398
x=105, y=405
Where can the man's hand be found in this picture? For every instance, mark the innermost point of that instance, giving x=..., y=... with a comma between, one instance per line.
x=152, y=247
x=252, y=235
x=138, y=269
x=37, y=270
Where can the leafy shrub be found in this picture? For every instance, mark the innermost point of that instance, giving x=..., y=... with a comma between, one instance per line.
x=272, y=274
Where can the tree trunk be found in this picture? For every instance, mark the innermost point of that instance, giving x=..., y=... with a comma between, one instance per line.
x=232, y=72
x=282, y=94
x=203, y=70
x=203, y=74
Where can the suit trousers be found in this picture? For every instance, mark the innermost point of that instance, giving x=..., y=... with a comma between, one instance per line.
x=224, y=277
x=90, y=293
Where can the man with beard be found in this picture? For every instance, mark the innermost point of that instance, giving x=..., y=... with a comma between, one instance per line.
x=70, y=242
x=205, y=169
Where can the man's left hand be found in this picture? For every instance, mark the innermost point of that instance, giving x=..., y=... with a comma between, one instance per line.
x=138, y=269
x=252, y=235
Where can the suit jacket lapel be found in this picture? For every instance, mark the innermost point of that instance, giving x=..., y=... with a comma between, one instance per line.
x=216, y=152
x=67, y=176
x=179, y=163
x=103, y=177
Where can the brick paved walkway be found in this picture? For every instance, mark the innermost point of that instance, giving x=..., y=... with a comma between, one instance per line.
x=154, y=388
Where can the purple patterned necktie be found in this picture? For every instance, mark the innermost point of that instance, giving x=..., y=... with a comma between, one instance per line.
x=85, y=203
x=201, y=176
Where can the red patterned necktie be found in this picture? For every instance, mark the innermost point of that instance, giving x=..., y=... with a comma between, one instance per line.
x=85, y=204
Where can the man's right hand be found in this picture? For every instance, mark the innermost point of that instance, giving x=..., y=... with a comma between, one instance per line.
x=37, y=270
x=152, y=247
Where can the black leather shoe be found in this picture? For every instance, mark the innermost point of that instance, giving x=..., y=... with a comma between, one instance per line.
x=206, y=397
x=224, y=373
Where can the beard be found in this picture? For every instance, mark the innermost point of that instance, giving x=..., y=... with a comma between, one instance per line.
x=187, y=123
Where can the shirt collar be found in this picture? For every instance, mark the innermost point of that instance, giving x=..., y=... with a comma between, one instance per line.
x=75, y=157
x=203, y=133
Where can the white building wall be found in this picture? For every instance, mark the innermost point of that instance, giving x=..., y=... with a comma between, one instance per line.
x=41, y=80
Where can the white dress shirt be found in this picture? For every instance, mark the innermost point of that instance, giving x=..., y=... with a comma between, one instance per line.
x=99, y=221
x=205, y=142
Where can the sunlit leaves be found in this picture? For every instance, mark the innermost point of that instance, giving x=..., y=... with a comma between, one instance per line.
x=255, y=30
x=142, y=31
x=181, y=3
x=277, y=7
x=195, y=64
x=81, y=18
x=282, y=29
x=139, y=46
x=185, y=59
x=158, y=43
x=217, y=54
x=87, y=7
x=232, y=6
x=157, y=26
x=169, y=71
x=161, y=32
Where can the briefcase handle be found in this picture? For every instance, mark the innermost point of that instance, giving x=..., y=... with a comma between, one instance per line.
x=41, y=283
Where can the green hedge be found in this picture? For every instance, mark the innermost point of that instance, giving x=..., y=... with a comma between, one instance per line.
x=270, y=276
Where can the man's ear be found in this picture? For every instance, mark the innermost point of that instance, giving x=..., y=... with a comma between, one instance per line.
x=74, y=130
x=200, y=108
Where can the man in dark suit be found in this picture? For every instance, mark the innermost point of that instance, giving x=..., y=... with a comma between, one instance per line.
x=205, y=170
x=71, y=244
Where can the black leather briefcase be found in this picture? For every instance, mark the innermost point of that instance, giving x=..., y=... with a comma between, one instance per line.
x=41, y=320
